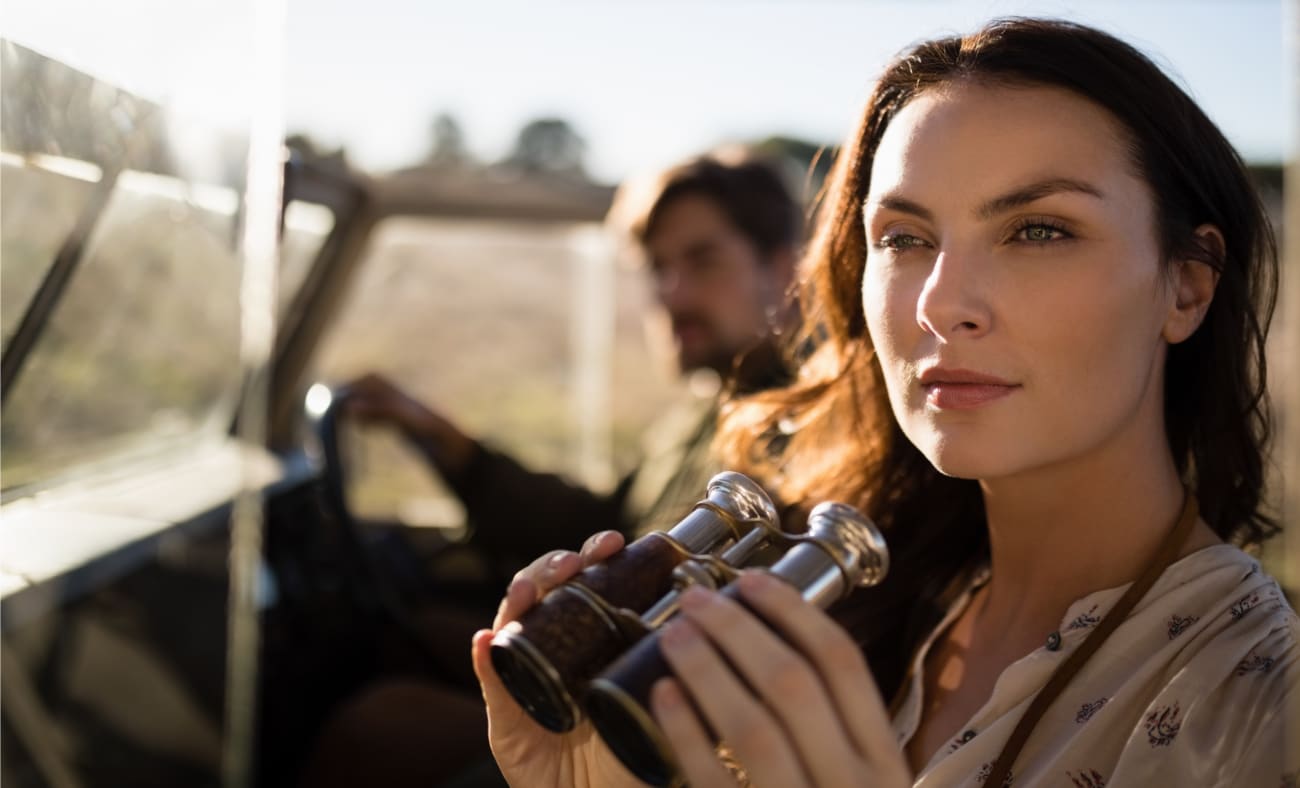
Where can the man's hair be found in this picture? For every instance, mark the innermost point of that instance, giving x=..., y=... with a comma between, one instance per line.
x=752, y=193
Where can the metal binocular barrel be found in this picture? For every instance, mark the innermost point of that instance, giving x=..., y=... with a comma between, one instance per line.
x=546, y=658
x=841, y=550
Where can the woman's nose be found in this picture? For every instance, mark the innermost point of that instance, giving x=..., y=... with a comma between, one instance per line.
x=952, y=302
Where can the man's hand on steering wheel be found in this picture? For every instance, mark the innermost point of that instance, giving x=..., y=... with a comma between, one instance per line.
x=374, y=399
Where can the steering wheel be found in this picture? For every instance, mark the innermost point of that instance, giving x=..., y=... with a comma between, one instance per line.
x=375, y=588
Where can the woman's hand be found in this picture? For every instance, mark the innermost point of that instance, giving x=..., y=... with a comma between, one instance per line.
x=528, y=754
x=815, y=716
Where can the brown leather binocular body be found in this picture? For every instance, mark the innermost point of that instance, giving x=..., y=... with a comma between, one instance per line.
x=546, y=658
x=591, y=645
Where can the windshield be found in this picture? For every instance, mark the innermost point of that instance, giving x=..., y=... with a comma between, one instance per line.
x=136, y=211
x=306, y=227
x=42, y=197
x=516, y=330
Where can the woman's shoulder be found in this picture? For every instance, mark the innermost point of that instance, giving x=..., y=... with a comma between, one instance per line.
x=1222, y=664
x=1236, y=614
x=1249, y=667
x=1217, y=641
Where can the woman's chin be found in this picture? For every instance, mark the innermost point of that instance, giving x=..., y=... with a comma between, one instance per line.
x=965, y=463
x=958, y=471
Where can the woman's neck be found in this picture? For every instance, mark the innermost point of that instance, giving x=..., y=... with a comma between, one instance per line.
x=1063, y=532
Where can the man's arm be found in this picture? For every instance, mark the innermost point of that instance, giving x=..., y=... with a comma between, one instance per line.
x=517, y=512
x=513, y=512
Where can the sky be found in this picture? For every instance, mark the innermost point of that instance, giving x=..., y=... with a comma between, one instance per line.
x=645, y=82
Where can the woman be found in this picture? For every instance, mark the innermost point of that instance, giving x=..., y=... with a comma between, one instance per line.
x=1044, y=283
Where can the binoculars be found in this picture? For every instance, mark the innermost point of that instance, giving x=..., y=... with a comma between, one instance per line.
x=591, y=646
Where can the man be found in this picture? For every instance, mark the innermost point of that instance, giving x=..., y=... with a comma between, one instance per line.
x=721, y=241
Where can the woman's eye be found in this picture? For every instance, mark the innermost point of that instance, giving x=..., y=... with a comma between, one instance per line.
x=899, y=242
x=1041, y=233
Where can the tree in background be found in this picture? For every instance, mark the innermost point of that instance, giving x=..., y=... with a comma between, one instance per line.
x=548, y=145
x=447, y=143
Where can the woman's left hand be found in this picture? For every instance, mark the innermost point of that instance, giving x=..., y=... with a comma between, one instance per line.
x=798, y=708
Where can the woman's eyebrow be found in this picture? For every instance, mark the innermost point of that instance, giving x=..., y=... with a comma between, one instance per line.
x=1024, y=195
x=893, y=202
x=1020, y=196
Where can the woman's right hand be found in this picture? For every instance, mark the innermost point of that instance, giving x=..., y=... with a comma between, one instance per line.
x=528, y=754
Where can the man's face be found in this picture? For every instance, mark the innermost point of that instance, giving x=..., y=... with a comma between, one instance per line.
x=715, y=285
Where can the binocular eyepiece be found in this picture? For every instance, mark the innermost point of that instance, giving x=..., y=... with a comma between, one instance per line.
x=593, y=643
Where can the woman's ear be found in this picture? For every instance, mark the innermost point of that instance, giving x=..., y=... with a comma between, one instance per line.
x=1193, y=279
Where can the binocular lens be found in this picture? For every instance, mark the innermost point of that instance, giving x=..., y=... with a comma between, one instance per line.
x=532, y=683
x=630, y=733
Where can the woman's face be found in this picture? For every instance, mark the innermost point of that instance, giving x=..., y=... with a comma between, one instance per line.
x=1013, y=286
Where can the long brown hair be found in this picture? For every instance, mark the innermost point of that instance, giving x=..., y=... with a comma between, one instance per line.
x=831, y=435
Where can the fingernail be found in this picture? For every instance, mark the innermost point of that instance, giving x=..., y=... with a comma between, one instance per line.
x=754, y=581
x=679, y=633
x=695, y=597
x=554, y=561
x=665, y=694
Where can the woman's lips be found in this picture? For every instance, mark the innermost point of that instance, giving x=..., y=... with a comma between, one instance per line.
x=947, y=395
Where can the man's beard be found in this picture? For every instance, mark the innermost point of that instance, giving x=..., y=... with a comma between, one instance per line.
x=707, y=350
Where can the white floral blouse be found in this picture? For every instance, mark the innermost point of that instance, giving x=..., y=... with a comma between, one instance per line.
x=1192, y=690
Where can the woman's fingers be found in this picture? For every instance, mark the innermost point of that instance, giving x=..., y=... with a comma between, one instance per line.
x=740, y=719
x=600, y=546
x=787, y=682
x=512, y=734
x=839, y=664
x=518, y=742
x=503, y=711
x=521, y=595
x=480, y=645
x=533, y=582
x=689, y=739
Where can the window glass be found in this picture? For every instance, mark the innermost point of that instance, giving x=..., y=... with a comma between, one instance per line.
x=42, y=196
x=307, y=226
x=480, y=319
x=144, y=342
x=140, y=349
x=123, y=160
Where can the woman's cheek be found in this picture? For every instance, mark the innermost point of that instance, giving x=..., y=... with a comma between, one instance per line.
x=885, y=324
x=880, y=296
